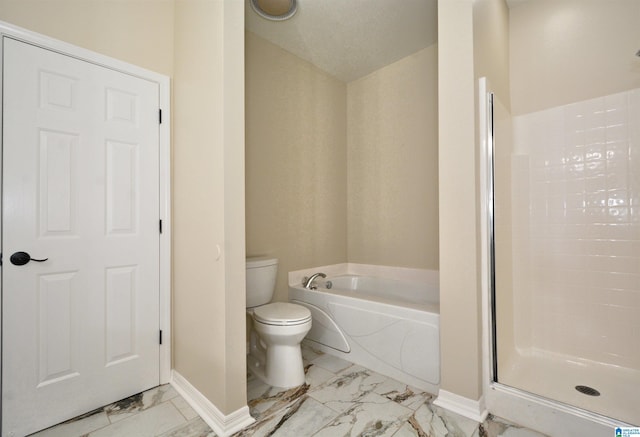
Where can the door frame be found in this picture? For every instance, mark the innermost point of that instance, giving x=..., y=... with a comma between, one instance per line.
x=10, y=31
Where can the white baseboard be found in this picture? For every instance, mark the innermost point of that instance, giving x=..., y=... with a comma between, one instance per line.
x=474, y=410
x=223, y=425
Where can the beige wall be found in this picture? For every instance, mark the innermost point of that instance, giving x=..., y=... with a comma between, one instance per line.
x=234, y=235
x=208, y=200
x=295, y=161
x=197, y=42
x=557, y=58
x=393, y=164
x=306, y=131
x=491, y=45
x=198, y=186
x=139, y=32
x=460, y=345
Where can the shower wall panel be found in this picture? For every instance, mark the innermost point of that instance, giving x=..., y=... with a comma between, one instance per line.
x=576, y=171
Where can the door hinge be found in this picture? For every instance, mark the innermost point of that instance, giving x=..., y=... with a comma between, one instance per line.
x=161, y=336
x=161, y=226
x=160, y=116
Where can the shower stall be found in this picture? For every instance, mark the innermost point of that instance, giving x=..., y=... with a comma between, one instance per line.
x=562, y=221
x=566, y=253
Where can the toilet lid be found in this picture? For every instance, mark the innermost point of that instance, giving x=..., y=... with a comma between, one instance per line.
x=282, y=313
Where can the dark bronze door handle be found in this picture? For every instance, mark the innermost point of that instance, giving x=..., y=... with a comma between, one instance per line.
x=21, y=258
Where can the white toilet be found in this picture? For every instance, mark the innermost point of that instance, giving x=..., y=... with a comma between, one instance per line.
x=277, y=328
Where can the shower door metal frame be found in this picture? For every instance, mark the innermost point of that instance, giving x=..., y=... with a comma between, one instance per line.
x=527, y=409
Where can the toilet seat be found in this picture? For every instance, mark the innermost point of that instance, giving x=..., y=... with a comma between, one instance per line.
x=281, y=314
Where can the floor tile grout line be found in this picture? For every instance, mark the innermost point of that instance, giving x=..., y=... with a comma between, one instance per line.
x=180, y=410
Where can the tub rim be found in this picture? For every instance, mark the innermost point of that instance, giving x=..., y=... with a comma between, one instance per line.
x=427, y=276
x=433, y=308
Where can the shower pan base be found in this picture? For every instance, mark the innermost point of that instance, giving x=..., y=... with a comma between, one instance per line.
x=556, y=377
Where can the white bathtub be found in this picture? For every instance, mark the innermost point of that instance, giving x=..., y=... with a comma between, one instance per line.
x=386, y=319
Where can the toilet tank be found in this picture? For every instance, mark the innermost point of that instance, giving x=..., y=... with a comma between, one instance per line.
x=261, y=280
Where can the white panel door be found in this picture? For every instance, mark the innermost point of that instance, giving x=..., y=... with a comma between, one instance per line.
x=80, y=189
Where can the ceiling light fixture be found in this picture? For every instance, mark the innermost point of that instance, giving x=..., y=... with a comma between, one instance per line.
x=275, y=10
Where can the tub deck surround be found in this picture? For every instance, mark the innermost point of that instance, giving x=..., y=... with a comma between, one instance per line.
x=338, y=398
x=383, y=318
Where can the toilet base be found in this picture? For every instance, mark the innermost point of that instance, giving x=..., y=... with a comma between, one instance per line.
x=277, y=366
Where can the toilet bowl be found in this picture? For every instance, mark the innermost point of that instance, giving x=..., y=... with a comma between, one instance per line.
x=275, y=356
x=276, y=329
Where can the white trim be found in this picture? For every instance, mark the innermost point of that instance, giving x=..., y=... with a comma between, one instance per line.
x=45, y=42
x=80, y=53
x=165, y=236
x=223, y=425
x=474, y=410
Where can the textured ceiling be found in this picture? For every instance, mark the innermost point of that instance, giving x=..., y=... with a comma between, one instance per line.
x=351, y=38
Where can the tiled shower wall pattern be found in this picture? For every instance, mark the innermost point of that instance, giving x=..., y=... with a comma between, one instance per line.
x=582, y=230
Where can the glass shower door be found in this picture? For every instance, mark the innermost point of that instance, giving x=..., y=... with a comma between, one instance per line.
x=567, y=253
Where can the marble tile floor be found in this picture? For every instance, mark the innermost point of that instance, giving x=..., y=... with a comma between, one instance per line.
x=338, y=399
